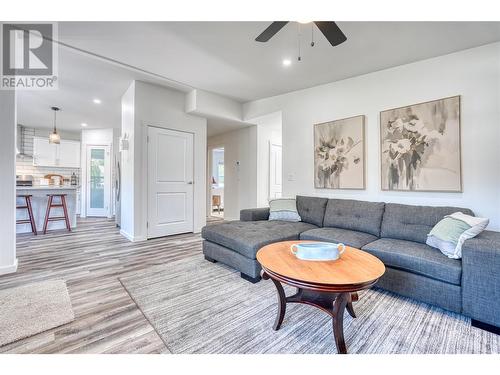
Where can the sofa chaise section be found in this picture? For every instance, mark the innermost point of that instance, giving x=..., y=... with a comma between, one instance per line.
x=236, y=243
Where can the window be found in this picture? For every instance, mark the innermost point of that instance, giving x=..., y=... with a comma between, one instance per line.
x=220, y=174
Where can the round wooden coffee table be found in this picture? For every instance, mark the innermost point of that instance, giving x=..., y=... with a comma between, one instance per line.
x=328, y=285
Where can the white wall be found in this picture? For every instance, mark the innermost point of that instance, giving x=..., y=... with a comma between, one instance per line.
x=8, y=260
x=128, y=164
x=151, y=105
x=240, y=169
x=474, y=74
x=95, y=137
x=204, y=103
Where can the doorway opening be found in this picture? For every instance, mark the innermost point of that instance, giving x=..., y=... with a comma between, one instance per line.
x=275, y=169
x=217, y=183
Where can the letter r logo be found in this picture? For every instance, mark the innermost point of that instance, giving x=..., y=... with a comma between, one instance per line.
x=25, y=51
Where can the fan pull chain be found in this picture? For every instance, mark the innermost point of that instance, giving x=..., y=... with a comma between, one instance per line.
x=299, y=58
x=312, y=35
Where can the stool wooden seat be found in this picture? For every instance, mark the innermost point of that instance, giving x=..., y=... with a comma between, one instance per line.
x=27, y=206
x=50, y=205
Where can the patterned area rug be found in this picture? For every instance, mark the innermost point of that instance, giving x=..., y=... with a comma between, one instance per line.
x=33, y=308
x=200, y=307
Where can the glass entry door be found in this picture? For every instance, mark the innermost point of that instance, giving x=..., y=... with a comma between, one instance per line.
x=98, y=181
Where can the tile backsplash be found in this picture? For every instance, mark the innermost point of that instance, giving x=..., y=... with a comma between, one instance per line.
x=24, y=163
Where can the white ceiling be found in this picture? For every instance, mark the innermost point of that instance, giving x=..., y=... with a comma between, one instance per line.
x=81, y=79
x=223, y=57
x=217, y=126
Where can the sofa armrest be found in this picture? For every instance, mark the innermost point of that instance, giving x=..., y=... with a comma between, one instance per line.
x=481, y=278
x=254, y=214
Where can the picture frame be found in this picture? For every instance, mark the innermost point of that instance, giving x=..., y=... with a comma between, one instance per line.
x=420, y=147
x=339, y=154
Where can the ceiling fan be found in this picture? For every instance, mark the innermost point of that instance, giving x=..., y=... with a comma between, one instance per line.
x=329, y=29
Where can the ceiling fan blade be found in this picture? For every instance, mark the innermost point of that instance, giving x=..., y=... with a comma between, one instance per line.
x=271, y=30
x=331, y=32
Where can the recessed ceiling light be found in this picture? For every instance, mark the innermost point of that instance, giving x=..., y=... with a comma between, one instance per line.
x=287, y=62
x=304, y=21
x=84, y=124
x=97, y=101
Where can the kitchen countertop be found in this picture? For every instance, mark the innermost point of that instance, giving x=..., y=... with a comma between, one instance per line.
x=49, y=187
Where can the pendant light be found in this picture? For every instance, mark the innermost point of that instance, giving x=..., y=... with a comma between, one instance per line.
x=54, y=137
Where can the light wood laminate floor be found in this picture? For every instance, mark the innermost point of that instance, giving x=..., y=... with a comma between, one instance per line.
x=90, y=260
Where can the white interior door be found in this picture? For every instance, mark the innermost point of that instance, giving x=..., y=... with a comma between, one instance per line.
x=170, y=182
x=275, y=170
x=98, y=189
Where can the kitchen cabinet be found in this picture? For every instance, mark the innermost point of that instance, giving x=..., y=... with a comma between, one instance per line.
x=44, y=153
x=69, y=154
x=64, y=155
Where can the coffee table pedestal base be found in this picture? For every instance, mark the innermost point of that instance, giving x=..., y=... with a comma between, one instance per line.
x=334, y=304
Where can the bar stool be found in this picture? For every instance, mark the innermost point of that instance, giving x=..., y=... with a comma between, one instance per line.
x=50, y=205
x=27, y=206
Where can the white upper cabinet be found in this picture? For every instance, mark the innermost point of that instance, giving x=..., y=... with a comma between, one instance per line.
x=64, y=155
x=68, y=154
x=44, y=153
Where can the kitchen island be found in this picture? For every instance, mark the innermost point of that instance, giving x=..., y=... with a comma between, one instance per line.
x=39, y=201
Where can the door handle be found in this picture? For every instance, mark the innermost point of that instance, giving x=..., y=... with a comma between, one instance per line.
x=190, y=182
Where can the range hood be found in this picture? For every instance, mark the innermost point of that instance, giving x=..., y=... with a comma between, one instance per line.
x=21, y=142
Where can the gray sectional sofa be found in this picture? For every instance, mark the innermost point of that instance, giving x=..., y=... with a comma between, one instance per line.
x=394, y=233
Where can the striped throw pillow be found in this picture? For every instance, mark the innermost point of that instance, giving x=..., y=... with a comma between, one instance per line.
x=450, y=233
x=284, y=209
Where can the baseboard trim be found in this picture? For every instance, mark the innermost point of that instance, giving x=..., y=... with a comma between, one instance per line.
x=131, y=238
x=485, y=326
x=9, y=269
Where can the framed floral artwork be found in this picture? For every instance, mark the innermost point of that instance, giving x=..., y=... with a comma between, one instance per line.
x=420, y=147
x=339, y=154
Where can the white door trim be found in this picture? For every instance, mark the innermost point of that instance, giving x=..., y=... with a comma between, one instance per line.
x=272, y=191
x=149, y=226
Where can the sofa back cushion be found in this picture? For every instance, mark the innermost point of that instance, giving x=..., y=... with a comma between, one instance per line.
x=413, y=223
x=311, y=209
x=354, y=215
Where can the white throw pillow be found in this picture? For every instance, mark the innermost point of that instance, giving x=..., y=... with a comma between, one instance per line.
x=284, y=209
x=451, y=232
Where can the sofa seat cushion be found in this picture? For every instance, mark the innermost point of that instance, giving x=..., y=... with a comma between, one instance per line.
x=347, y=237
x=417, y=258
x=247, y=237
